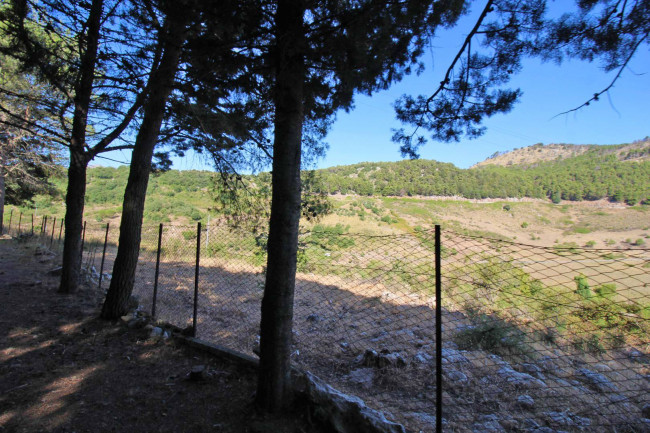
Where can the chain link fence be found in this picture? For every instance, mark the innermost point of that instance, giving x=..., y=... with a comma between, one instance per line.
x=533, y=339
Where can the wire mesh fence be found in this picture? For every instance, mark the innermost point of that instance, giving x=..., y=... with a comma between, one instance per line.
x=532, y=338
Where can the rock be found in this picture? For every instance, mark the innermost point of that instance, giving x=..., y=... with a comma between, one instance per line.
x=134, y=302
x=156, y=332
x=518, y=379
x=602, y=367
x=636, y=355
x=315, y=318
x=422, y=357
x=595, y=380
x=525, y=402
x=488, y=424
x=56, y=271
x=456, y=376
x=452, y=356
x=346, y=414
x=362, y=377
x=424, y=419
x=382, y=359
x=391, y=359
x=533, y=370
x=137, y=323
x=256, y=346
x=344, y=345
x=197, y=373
x=645, y=410
x=126, y=318
x=566, y=419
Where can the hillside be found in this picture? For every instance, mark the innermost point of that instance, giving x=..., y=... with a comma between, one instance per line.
x=618, y=173
x=531, y=155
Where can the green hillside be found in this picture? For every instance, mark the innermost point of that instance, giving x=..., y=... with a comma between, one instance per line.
x=617, y=173
x=600, y=172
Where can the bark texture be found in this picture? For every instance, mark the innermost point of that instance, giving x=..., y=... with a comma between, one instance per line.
x=76, y=191
x=2, y=199
x=274, y=385
x=161, y=81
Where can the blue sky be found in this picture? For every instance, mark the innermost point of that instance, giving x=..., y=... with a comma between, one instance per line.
x=622, y=116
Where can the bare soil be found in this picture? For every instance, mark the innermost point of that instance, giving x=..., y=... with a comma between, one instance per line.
x=64, y=370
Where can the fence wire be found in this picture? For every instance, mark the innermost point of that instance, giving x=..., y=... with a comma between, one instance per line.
x=534, y=339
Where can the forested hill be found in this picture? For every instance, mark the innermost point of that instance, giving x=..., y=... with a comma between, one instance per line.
x=619, y=173
x=639, y=150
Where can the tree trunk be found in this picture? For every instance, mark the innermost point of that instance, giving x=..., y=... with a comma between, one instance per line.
x=76, y=192
x=162, y=79
x=274, y=386
x=2, y=199
x=74, y=209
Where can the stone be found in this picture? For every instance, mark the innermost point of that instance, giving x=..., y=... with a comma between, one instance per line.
x=137, y=323
x=134, y=302
x=525, y=402
x=456, y=376
x=256, y=346
x=197, y=373
x=645, y=410
x=344, y=345
x=382, y=359
x=315, y=318
x=533, y=369
x=391, y=359
x=488, y=424
x=453, y=356
x=567, y=419
x=156, y=332
x=424, y=419
x=362, y=377
x=422, y=357
x=595, y=380
x=636, y=355
x=346, y=414
x=56, y=271
x=518, y=379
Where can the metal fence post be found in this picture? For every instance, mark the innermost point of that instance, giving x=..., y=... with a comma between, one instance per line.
x=11, y=214
x=61, y=228
x=101, y=267
x=83, y=241
x=20, y=220
x=438, y=333
x=155, y=280
x=196, y=277
x=52, y=235
x=43, y=225
x=32, y=224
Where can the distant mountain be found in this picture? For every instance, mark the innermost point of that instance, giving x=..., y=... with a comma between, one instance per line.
x=532, y=155
x=620, y=173
x=556, y=172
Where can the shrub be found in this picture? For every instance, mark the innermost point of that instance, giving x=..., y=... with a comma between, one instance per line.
x=590, y=244
x=639, y=242
x=582, y=287
x=189, y=234
x=506, y=207
x=606, y=290
x=494, y=335
x=524, y=225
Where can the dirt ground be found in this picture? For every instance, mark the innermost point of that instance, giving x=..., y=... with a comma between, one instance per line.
x=64, y=370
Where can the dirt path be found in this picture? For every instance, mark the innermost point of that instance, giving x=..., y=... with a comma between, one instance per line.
x=63, y=370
